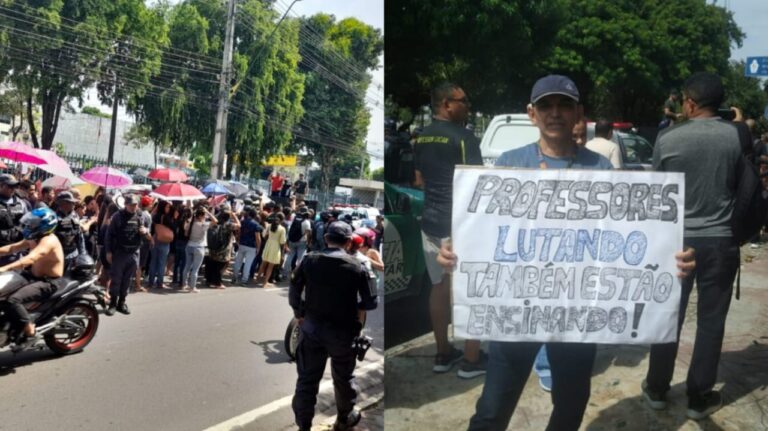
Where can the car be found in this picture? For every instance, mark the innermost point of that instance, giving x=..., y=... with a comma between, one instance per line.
x=506, y=132
x=636, y=151
x=405, y=274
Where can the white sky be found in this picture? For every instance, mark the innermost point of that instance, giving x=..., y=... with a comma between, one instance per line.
x=368, y=11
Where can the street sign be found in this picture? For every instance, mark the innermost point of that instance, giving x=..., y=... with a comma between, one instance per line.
x=287, y=161
x=756, y=66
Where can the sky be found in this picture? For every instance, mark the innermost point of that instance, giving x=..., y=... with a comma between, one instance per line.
x=752, y=17
x=368, y=11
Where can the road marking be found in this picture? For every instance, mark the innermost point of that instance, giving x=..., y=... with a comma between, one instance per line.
x=259, y=412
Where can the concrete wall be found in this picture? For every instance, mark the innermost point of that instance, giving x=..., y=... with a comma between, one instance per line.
x=88, y=135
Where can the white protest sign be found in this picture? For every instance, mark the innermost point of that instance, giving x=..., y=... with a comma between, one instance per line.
x=567, y=255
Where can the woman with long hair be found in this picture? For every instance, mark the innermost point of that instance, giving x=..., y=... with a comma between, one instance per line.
x=274, y=245
x=197, y=230
x=162, y=225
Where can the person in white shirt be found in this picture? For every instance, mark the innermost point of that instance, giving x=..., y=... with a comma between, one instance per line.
x=602, y=144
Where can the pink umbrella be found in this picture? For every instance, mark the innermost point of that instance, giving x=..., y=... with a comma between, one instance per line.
x=106, y=177
x=177, y=192
x=56, y=165
x=167, y=174
x=19, y=152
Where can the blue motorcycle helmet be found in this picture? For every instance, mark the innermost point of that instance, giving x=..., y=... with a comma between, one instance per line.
x=38, y=223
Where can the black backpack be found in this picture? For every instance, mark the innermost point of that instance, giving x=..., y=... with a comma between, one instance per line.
x=294, y=233
x=218, y=237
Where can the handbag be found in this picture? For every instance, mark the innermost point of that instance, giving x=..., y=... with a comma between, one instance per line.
x=163, y=234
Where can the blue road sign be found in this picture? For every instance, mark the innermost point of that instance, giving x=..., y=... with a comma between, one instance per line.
x=756, y=66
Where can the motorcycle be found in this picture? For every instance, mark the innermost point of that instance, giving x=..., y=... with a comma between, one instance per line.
x=66, y=322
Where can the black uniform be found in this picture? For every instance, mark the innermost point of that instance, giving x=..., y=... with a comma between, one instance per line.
x=123, y=240
x=331, y=281
x=71, y=237
x=11, y=211
x=439, y=148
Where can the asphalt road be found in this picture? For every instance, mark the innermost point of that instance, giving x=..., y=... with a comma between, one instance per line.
x=178, y=362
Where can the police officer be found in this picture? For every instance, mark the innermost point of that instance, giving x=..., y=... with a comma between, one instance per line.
x=122, y=242
x=68, y=231
x=12, y=208
x=330, y=319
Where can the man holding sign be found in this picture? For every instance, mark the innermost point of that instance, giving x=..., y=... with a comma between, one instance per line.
x=508, y=297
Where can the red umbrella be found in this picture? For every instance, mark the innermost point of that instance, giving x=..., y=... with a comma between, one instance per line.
x=167, y=174
x=177, y=192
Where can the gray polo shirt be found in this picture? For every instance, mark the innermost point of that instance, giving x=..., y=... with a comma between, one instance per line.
x=707, y=151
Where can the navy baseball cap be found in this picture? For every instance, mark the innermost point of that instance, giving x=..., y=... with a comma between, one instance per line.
x=339, y=230
x=554, y=84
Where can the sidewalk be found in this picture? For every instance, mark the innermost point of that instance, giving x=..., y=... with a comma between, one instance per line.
x=418, y=399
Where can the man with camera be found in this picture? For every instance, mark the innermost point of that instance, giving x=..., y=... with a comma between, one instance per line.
x=337, y=292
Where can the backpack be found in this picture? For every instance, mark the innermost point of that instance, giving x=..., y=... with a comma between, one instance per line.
x=295, y=233
x=218, y=237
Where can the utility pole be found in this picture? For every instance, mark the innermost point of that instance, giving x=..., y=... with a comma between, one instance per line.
x=113, y=127
x=220, y=138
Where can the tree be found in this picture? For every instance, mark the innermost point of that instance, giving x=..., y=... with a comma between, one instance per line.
x=626, y=55
x=377, y=174
x=493, y=49
x=12, y=105
x=49, y=54
x=332, y=132
x=744, y=92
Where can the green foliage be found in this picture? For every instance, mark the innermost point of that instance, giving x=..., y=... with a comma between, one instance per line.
x=266, y=105
x=378, y=174
x=90, y=110
x=333, y=131
x=625, y=55
x=744, y=92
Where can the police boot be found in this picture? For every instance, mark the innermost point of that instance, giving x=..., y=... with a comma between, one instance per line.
x=349, y=422
x=112, y=307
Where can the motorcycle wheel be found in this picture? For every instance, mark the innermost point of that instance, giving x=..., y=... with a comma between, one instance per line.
x=291, y=339
x=65, y=344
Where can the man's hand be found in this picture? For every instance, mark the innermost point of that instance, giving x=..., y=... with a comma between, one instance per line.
x=3, y=269
x=142, y=231
x=446, y=258
x=686, y=262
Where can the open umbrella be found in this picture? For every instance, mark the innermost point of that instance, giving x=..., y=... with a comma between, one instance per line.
x=237, y=188
x=106, y=177
x=19, y=152
x=167, y=174
x=177, y=192
x=215, y=189
x=61, y=183
x=57, y=166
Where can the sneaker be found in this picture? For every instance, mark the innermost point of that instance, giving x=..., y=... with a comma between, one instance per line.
x=444, y=363
x=470, y=370
x=655, y=400
x=545, y=382
x=702, y=407
x=111, y=310
x=352, y=419
x=123, y=308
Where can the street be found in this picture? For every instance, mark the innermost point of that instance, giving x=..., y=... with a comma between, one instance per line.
x=178, y=362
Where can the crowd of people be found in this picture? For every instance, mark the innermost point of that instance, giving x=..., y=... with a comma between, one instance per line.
x=142, y=243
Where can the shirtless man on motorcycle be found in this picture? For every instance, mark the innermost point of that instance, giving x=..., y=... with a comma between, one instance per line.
x=45, y=261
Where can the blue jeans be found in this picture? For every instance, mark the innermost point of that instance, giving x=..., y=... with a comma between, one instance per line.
x=195, y=255
x=157, y=264
x=541, y=364
x=509, y=365
x=181, y=260
x=294, y=249
x=245, y=257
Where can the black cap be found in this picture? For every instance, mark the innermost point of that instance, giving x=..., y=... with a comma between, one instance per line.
x=303, y=211
x=130, y=199
x=554, y=84
x=339, y=231
x=8, y=180
x=66, y=197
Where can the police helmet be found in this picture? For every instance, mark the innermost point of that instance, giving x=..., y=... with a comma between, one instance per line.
x=83, y=267
x=38, y=223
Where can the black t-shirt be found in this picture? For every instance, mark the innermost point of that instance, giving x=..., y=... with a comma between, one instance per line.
x=439, y=148
x=301, y=186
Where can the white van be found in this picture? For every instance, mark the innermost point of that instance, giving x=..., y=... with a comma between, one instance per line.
x=507, y=132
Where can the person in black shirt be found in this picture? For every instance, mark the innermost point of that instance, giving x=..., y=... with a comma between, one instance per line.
x=330, y=317
x=300, y=188
x=441, y=146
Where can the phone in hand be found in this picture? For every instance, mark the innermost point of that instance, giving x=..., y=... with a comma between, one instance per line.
x=726, y=114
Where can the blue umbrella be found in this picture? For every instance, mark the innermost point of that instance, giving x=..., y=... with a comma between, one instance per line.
x=215, y=189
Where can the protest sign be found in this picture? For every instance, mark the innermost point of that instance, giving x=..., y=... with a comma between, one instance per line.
x=567, y=255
